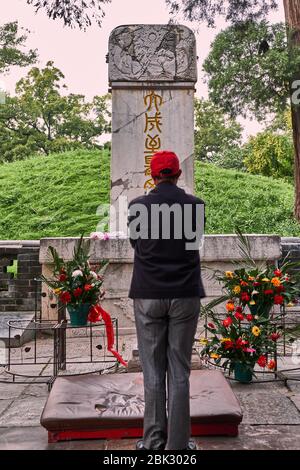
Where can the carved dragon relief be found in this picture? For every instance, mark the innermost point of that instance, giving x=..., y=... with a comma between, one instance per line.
x=152, y=53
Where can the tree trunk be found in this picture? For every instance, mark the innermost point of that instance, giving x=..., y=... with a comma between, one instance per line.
x=292, y=15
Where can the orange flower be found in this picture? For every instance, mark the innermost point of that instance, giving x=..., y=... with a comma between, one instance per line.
x=230, y=306
x=244, y=283
x=87, y=287
x=215, y=356
x=276, y=281
x=271, y=364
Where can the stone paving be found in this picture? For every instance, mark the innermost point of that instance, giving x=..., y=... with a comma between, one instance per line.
x=271, y=409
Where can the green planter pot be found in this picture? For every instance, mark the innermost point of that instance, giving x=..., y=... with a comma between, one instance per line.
x=260, y=310
x=242, y=373
x=79, y=314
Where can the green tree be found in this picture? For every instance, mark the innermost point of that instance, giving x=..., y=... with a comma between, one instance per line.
x=243, y=14
x=73, y=13
x=270, y=154
x=245, y=80
x=83, y=12
x=282, y=122
x=40, y=118
x=11, y=47
x=231, y=158
x=292, y=16
x=234, y=11
x=215, y=132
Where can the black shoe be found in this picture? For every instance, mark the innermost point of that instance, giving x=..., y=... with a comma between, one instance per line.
x=140, y=446
x=191, y=445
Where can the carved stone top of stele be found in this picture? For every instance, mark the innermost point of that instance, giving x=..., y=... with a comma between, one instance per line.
x=152, y=53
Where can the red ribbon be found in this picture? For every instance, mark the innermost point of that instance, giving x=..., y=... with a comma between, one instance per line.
x=96, y=314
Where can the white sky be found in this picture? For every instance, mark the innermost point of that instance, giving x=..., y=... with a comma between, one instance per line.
x=81, y=55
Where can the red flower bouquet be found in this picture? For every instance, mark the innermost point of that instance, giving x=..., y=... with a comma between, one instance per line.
x=242, y=340
x=77, y=283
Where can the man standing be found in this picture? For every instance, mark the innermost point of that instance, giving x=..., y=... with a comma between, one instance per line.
x=165, y=231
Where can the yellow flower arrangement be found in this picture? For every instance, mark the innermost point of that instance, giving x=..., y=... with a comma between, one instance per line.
x=249, y=293
x=255, y=331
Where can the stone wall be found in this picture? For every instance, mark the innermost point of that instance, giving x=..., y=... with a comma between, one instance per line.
x=219, y=251
x=291, y=246
x=17, y=291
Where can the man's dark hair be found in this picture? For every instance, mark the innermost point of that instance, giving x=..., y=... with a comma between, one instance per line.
x=164, y=176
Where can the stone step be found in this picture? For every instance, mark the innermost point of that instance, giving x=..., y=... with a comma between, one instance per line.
x=20, y=335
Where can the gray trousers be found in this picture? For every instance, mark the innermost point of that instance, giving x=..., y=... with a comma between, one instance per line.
x=165, y=332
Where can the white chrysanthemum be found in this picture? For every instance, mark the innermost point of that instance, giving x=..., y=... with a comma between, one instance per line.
x=77, y=272
x=93, y=274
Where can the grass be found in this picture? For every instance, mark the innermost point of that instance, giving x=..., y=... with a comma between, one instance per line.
x=257, y=204
x=13, y=269
x=58, y=195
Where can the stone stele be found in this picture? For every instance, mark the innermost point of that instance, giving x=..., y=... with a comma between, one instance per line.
x=152, y=74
